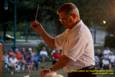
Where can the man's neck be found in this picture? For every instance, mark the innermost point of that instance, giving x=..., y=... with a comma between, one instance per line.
x=74, y=24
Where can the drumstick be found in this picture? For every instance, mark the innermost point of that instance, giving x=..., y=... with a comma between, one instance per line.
x=37, y=12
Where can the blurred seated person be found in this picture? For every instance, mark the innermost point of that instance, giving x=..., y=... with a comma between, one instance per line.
x=35, y=60
x=106, y=63
x=106, y=52
x=6, y=61
x=112, y=59
x=13, y=63
x=44, y=54
x=19, y=55
x=29, y=62
x=55, y=56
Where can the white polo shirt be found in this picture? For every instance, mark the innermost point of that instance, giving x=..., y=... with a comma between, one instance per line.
x=77, y=44
x=12, y=61
x=43, y=53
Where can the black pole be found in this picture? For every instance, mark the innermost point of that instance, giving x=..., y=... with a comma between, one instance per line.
x=5, y=19
x=14, y=26
x=94, y=35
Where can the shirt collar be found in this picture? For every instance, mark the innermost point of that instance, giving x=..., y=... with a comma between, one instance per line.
x=77, y=26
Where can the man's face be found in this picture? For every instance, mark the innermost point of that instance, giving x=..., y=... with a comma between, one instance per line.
x=66, y=20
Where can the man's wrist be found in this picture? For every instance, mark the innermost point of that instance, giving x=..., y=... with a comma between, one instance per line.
x=41, y=33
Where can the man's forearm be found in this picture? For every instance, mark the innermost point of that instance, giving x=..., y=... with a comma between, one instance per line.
x=48, y=39
x=63, y=61
x=40, y=30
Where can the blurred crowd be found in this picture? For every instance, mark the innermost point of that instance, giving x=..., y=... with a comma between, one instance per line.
x=26, y=59
x=105, y=59
x=20, y=60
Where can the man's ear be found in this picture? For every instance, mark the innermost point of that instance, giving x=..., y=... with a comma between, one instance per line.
x=73, y=15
